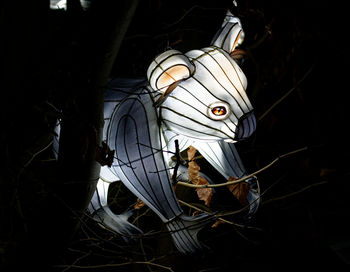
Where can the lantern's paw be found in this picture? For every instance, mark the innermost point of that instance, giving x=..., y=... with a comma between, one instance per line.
x=184, y=230
x=101, y=213
x=117, y=223
x=254, y=196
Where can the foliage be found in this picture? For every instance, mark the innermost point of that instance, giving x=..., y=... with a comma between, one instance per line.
x=204, y=194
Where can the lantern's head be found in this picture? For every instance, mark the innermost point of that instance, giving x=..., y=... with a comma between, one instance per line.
x=201, y=94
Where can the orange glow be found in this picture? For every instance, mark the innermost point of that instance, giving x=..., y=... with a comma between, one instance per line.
x=173, y=74
x=219, y=111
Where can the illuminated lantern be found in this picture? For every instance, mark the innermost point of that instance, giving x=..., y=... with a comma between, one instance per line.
x=197, y=98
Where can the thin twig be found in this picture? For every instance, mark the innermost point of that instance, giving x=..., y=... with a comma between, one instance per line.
x=244, y=178
x=83, y=223
x=142, y=214
x=52, y=106
x=115, y=265
x=216, y=216
x=294, y=193
x=37, y=153
x=248, y=205
x=267, y=33
x=188, y=12
x=191, y=206
x=76, y=261
x=178, y=160
x=285, y=95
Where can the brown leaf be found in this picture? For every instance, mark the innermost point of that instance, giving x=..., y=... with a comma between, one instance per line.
x=238, y=54
x=193, y=172
x=196, y=213
x=239, y=190
x=139, y=204
x=217, y=223
x=327, y=171
x=204, y=194
x=191, y=152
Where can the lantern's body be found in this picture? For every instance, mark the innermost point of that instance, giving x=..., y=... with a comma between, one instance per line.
x=198, y=99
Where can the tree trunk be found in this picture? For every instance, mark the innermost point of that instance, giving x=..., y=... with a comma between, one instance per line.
x=82, y=121
x=42, y=203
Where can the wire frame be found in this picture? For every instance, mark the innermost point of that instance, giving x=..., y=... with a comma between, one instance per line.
x=203, y=104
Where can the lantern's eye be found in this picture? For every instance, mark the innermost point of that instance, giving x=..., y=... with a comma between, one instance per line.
x=219, y=111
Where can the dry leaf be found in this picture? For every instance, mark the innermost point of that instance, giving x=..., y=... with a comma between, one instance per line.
x=104, y=155
x=191, y=152
x=139, y=204
x=217, y=223
x=193, y=172
x=238, y=54
x=196, y=213
x=327, y=171
x=204, y=194
x=239, y=190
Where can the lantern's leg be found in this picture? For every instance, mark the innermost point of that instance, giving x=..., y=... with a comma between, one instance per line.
x=101, y=213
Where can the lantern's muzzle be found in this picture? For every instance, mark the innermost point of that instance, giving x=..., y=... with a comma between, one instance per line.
x=246, y=126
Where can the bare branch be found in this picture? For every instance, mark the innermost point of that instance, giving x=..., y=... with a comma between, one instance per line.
x=116, y=265
x=246, y=177
x=294, y=193
x=37, y=153
x=218, y=217
x=178, y=159
x=285, y=95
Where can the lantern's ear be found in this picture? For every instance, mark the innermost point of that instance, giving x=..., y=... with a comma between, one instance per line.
x=230, y=35
x=168, y=68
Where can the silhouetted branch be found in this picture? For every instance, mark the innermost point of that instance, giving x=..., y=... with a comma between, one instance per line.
x=246, y=177
x=285, y=95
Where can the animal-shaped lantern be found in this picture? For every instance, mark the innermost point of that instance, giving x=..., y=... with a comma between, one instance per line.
x=197, y=98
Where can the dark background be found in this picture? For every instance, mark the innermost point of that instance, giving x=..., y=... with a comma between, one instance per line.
x=48, y=58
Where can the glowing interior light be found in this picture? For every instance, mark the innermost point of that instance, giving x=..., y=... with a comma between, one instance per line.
x=58, y=4
x=198, y=99
x=167, y=68
x=62, y=4
x=172, y=75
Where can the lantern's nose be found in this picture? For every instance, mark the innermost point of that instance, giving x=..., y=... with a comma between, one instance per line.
x=246, y=126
